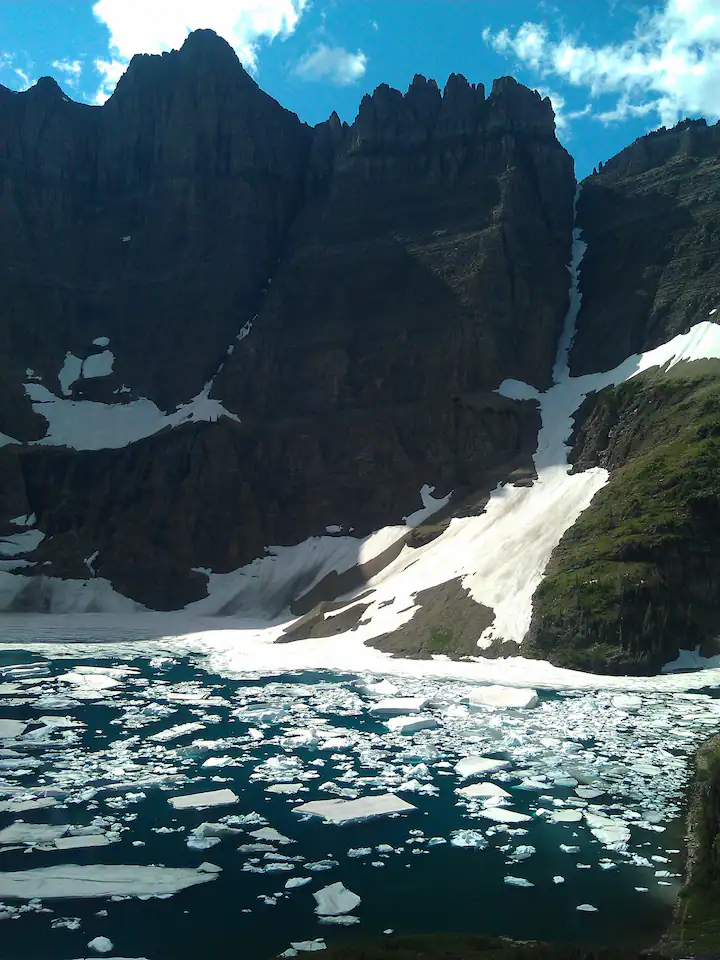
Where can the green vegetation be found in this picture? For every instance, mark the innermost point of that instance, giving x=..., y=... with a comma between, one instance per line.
x=639, y=573
x=442, y=640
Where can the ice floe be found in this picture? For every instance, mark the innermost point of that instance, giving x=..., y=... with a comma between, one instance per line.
x=74, y=881
x=200, y=801
x=352, y=811
x=334, y=900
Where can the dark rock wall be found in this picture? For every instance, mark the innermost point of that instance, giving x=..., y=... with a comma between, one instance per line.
x=651, y=218
x=192, y=161
x=395, y=272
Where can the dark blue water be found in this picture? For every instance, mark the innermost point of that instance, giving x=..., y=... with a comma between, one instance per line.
x=443, y=889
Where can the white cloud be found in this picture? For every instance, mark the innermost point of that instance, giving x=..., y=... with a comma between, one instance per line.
x=8, y=61
x=71, y=70
x=335, y=64
x=670, y=66
x=110, y=71
x=563, y=117
x=139, y=26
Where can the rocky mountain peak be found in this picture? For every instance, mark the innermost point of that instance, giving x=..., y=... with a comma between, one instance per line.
x=689, y=139
x=423, y=113
x=515, y=107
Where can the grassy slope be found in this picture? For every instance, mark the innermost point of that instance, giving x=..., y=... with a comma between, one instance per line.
x=639, y=573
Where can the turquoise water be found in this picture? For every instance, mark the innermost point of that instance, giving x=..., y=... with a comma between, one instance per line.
x=443, y=887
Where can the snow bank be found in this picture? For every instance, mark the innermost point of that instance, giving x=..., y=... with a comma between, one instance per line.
x=90, y=425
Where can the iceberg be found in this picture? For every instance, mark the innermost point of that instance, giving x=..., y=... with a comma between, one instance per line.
x=75, y=881
x=349, y=811
x=199, y=801
x=511, y=698
x=472, y=766
x=335, y=900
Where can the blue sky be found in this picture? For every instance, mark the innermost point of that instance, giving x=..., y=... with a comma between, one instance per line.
x=613, y=68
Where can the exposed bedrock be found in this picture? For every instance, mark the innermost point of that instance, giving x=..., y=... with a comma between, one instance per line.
x=394, y=272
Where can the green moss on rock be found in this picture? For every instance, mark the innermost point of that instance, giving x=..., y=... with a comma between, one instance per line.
x=639, y=573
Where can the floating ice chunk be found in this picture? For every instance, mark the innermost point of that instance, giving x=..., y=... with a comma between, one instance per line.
x=74, y=881
x=614, y=834
x=319, y=865
x=23, y=806
x=356, y=852
x=558, y=879
x=394, y=706
x=333, y=528
x=9, y=729
x=308, y=946
x=199, y=801
x=587, y=908
x=270, y=834
x=81, y=842
x=381, y=688
x=589, y=793
x=522, y=852
x=566, y=816
x=531, y=784
x=101, y=945
x=218, y=762
x=364, y=808
x=201, y=843
x=32, y=833
x=503, y=815
x=565, y=782
x=515, y=698
x=475, y=790
x=174, y=733
x=517, y=882
x=474, y=766
x=567, y=848
x=627, y=701
x=296, y=882
x=285, y=788
x=407, y=725
x=468, y=838
x=206, y=867
x=335, y=900
x=221, y=830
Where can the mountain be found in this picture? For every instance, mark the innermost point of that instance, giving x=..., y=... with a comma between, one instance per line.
x=247, y=364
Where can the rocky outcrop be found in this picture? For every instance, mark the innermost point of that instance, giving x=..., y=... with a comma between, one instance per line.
x=695, y=931
x=638, y=575
x=651, y=218
x=154, y=220
x=391, y=273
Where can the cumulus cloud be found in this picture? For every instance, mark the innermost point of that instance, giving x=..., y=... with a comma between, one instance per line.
x=670, y=67
x=335, y=64
x=70, y=69
x=137, y=26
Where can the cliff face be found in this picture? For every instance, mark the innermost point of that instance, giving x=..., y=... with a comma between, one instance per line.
x=153, y=221
x=352, y=294
x=651, y=219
